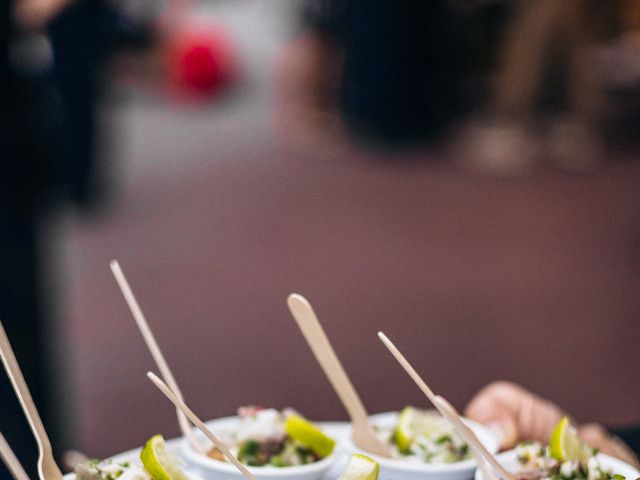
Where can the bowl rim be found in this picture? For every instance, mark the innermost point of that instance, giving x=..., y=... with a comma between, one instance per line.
x=201, y=460
x=399, y=464
x=508, y=457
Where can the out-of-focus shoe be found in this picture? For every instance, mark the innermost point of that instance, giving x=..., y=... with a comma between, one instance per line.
x=497, y=148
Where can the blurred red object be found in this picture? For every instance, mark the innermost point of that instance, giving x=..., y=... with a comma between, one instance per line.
x=200, y=61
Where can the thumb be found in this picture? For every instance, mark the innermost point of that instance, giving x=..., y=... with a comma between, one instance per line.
x=504, y=427
x=491, y=406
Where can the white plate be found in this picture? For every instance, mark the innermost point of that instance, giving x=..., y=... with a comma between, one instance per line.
x=399, y=469
x=510, y=462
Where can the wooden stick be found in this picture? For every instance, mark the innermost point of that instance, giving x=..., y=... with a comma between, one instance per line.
x=11, y=461
x=446, y=410
x=47, y=468
x=198, y=423
x=451, y=414
x=407, y=367
x=156, y=353
x=363, y=434
x=483, y=466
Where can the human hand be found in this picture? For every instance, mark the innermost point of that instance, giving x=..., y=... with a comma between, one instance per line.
x=516, y=414
x=596, y=436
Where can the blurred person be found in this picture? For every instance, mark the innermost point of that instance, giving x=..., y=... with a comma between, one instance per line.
x=516, y=414
x=622, y=66
x=383, y=72
x=512, y=137
x=47, y=135
x=84, y=35
x=28, y=140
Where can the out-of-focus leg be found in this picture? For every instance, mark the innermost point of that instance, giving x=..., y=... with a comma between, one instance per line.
x=525, y=48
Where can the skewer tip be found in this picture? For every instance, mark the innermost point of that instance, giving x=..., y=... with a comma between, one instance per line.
x=384, y=338
x=114, y=264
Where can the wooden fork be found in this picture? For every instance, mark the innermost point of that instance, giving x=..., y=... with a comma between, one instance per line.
x=47, y=468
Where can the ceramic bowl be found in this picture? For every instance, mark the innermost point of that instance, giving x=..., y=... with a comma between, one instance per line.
x=211, y=469
x=510, y=462
x=173, y=445
x=399, y=469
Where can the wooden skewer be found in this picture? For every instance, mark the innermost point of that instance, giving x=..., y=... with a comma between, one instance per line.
x=363, y=434
x=446, y=410
x=47, y=468
x=483, y=465
x=198, y=423
x=450, y=413
x=407, y=367
x=11, y=461
x=156, y=353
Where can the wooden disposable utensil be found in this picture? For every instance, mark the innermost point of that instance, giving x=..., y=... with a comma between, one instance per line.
x=198, y=423
x=47, y=468
x=451, y=414
x=156, y=353
x=363, y=434
x=11, y=461
x=407, y=367
x=446, y=410
x=484, y=467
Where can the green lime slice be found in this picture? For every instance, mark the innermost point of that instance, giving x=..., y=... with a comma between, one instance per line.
x=565, y=444
x=307, y=434
x=360, y=467
x=413, y=423
x=158, y=462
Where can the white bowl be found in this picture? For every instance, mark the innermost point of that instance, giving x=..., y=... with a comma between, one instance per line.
x=510, y=462
x=211, y=469
x=399, y=469
x=134, y=456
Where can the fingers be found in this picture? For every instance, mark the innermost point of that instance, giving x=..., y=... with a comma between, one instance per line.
x=516, y=414
x=513, y=412
x=596, y=436
x=490, y=408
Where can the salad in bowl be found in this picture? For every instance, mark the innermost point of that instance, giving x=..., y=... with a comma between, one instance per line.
x=423, y=436
x=425, y=445
x=155, y=462
x=271, y=443
x=566, y=457
x=266, y=436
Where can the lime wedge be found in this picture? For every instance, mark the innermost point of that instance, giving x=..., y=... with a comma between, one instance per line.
x=360, y=467
x=565, y=444
x=158, y=462
x=307, y=434
x=414, y=422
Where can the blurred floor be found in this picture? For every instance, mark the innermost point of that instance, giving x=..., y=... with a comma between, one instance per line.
x=534, y=280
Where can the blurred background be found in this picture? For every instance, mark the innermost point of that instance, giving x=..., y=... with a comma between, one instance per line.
x=461, y=175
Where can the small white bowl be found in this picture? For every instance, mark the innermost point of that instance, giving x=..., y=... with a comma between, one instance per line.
x=133, y=456
x=510, y=461
x=217, y=470
x=399, y=469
